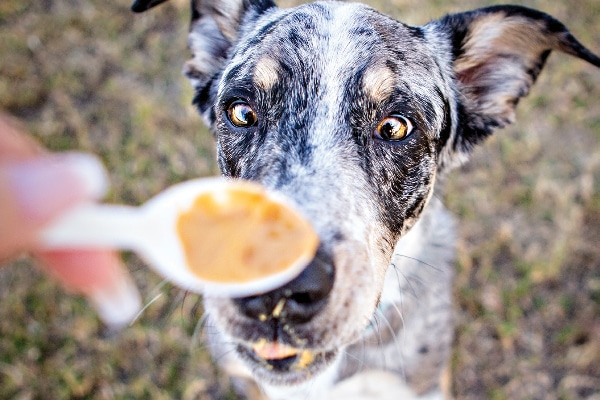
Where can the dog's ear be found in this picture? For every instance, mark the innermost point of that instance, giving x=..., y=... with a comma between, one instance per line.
x=498, y=52
x=214, y=28
x=143, y=5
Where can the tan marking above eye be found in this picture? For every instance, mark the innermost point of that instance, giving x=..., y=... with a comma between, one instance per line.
x=241, y=114
x=266, y=73
x=394, y=128
x=379, y=83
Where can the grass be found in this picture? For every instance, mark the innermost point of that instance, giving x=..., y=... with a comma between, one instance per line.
x=89, y=75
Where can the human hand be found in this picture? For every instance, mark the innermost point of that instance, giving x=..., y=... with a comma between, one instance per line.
x=35, y=188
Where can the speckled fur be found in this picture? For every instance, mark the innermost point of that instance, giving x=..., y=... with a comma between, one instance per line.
x=320, y=78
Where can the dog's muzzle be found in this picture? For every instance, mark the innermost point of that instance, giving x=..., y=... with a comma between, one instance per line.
x=298, y=301
x=283, y=309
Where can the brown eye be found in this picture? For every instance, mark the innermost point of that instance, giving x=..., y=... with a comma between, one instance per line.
x=394, y=128
x=241, y=114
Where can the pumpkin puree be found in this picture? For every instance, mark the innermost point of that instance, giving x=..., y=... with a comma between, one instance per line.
x=241, y=234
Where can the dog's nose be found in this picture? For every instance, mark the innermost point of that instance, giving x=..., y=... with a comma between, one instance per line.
x=298, y=301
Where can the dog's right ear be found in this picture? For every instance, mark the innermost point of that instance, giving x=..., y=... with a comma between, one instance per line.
x=498, y=52
x=214, y=28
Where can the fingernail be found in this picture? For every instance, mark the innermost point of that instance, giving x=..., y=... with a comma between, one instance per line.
x=117, y=305
x=48, y=185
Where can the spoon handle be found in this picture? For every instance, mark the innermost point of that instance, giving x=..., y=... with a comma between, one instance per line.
x=95, y=226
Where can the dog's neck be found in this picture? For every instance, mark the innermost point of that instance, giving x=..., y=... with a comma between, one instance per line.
x=417, y=285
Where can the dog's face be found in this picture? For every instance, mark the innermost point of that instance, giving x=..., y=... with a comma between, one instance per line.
x=318, y=103
x=350, y=114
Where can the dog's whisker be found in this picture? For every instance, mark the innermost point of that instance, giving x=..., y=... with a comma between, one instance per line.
x=148, y=304
x=377, y=329
x=419, y=286
x=391, y=330
x=363, y=353
x=353, y=356
x=396, y=340
x=185, y=296
x=199, y=328
x=158, y=287
x=155, y=293
x=178, y=302
x=210, y=329
x=399, y=312
x=196, y=307
x=359, y=356
x=399, y=277
x=437, y=269
x=401, y=293
x=401, y=288
x=218, y=357
x=397, y=308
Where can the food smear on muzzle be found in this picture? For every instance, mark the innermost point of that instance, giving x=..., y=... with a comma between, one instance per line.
x=243, y=234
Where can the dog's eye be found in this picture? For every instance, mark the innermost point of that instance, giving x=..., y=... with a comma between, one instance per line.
x=394, y=128
x=241, y=114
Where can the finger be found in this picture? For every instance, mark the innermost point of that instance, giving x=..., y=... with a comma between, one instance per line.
x=14, y=145
x=35, y=191
x=100, y=276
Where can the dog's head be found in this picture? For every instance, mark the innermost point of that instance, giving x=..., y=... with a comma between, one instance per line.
x=352, y=115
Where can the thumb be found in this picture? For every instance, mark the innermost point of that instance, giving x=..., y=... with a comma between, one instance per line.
x=35, y=191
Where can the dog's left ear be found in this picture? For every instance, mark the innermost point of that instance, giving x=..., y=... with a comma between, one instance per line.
x=498, y=52
x=143, y=5
x=214, y=28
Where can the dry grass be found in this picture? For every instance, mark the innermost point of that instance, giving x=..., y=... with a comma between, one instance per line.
x=89, y=75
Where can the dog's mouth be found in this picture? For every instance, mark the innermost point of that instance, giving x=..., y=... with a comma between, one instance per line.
x=290, y=364
x=281, y=356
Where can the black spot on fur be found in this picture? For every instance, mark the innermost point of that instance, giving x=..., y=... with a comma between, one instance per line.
x=295, y=38
x=472, y=129
x=447, y=127
x=552, y=25
x=202, y=96
x=263, y=32
x=362, y=31
x=416, y=32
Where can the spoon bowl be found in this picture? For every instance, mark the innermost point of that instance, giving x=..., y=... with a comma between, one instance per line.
x=213, y=236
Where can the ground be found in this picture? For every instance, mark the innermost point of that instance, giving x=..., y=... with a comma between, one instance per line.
x=91, y=76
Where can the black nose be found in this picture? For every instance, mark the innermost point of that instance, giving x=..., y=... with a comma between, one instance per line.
x=298, y=301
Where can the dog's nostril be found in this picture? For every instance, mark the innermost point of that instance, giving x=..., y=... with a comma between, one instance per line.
x=304, y=298
x=256, y=306
x=299, y=300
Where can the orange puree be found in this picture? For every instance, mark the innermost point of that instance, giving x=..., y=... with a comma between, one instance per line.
x=240, y=234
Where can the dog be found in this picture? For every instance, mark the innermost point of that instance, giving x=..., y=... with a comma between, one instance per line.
x=354, y=116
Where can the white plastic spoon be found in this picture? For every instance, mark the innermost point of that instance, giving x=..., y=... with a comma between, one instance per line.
x=255, y=239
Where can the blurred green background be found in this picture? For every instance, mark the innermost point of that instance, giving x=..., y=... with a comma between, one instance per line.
x=92, y=76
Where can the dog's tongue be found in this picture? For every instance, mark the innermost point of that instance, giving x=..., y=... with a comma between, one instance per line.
x=273, y=350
